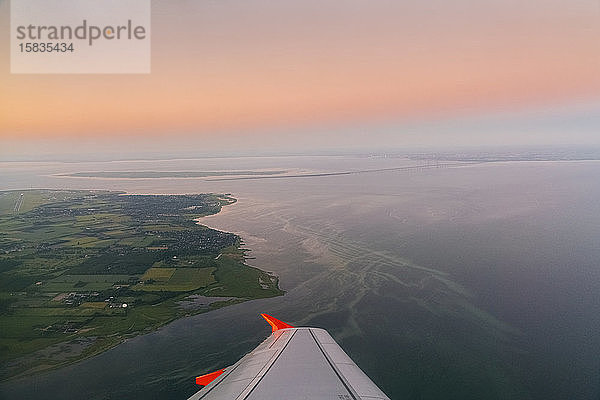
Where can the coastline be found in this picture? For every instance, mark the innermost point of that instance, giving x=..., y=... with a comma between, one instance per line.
x=235, y=256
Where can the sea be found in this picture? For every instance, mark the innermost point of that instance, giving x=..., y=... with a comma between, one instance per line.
x=467, y=279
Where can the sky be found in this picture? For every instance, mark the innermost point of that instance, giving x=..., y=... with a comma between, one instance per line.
x=262, y=75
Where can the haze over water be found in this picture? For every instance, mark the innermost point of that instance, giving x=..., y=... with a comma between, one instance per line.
x=475, y=281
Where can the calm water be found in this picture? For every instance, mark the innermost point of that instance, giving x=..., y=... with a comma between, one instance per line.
x=469, y=282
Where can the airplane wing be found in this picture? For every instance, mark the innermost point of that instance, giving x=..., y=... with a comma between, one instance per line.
x=292, y=364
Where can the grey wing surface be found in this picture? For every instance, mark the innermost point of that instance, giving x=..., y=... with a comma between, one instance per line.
x=292, y=363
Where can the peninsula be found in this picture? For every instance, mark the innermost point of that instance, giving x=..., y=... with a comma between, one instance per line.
x=81, y=271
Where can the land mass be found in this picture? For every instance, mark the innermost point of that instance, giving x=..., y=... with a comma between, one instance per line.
x=81, y=271
x=168, y=174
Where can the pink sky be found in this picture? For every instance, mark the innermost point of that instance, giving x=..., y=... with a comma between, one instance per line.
x=226, y=70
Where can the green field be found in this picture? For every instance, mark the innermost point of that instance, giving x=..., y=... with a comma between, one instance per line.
x=83, y=283
x=176, y=279
x=83, y=270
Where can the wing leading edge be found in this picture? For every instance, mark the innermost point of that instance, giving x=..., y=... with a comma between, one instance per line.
x=292, y=363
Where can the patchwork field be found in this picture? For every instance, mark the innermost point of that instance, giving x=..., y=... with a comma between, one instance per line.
x=96, y=267
x=176, y=279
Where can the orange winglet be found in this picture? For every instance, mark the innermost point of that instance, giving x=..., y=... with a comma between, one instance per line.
x=208, y=378
x=275, y=323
